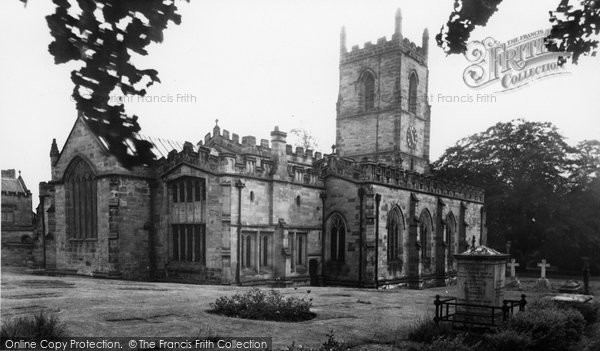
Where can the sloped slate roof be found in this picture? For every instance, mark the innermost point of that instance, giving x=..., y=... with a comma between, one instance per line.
x=14, y=185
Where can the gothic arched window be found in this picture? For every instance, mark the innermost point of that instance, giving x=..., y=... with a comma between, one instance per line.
x=395, y=226
x=81, y=203
x=337, y=238
x=368, y=86
x=412, y=93
x=425, y=230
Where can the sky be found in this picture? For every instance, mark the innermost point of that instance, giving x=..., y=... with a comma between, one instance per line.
x=257, y=64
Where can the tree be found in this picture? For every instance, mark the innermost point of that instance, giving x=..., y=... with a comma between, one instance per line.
x=572, y=26
x=304, y=138
x=537, y=189
x=103, y=35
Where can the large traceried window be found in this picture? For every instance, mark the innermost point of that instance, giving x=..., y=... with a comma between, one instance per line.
x=395, y=228
x=81, y=201
x=337, y=238
x=412, y=93
x=368, y=91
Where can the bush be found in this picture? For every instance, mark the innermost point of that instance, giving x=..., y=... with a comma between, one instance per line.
x=451, y=343
x=591, y=342
x=332, y=344
x=38, y=327
x=550, y=328
x=507, y=340
x=425, y=330
x=261, y=305
x=589, y=310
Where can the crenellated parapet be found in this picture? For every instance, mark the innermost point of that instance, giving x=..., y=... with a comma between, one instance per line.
x=223, y=153
x=397, y=43
x=384, y=45
x=395, y=176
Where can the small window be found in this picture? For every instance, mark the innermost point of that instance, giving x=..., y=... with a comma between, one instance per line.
x=300, y=250
x=197, y=191
x=181, y=187
x=174, y=189
x=298, y=200
x=265, y=251
x=175, y=243
x=8, y=216
x=248, y=258
x=190, y=195
x=252, y=196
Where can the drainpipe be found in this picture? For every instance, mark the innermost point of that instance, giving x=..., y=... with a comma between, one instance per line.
x=323, y=229
x=377, y=201
x=361, y=195
x=240, y=186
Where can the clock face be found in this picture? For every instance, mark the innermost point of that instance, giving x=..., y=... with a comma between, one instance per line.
x=411, y=137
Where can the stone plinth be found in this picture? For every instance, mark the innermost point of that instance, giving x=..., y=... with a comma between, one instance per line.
x=481, y=278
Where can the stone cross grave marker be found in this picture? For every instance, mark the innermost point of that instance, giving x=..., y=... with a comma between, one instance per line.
x=543, y=265
x=512, y=264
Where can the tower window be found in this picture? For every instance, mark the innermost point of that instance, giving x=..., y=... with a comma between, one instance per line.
x=368, y=85
x=412, y=93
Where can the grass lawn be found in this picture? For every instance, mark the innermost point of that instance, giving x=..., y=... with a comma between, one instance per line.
x=95, y=307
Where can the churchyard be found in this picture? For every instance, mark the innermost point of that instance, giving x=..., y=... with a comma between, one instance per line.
x=364, y=318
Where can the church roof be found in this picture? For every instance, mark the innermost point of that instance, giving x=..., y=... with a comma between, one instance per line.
x=161, y=147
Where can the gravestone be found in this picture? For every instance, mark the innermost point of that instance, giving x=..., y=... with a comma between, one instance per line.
x=586, y=275
x=543, y=283
x=513, y=281
x=570, y=287
x=480, y=279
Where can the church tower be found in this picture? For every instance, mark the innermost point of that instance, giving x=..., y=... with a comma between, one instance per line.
x=382, y=111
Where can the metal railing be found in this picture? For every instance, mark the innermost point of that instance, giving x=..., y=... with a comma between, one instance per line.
x=449, y=310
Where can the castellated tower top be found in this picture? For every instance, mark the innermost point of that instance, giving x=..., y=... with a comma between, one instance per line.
x=383, y=45
x=383, y=115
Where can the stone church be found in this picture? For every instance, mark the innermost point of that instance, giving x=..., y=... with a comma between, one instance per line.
x=231, y=210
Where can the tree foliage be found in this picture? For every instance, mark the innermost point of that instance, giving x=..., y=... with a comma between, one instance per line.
x=541, y=193
x=303, y=138
x=574, y=23
x=103, y=35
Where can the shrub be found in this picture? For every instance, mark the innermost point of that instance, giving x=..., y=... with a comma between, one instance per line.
x=507, y=340
x=425, y=330
x=550, y=328
x=37, y=327
x=589, y=310
x=332, y=344
x=592, y=341
x=261, y=305
x=450, y=343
